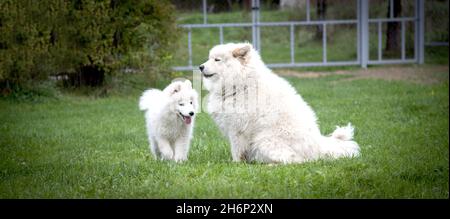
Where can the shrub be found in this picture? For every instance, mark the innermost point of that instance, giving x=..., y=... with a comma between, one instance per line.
x=85, y=41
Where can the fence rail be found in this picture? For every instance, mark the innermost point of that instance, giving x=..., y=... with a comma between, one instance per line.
x=362, y=25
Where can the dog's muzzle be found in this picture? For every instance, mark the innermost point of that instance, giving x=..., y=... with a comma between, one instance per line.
x=207, y=75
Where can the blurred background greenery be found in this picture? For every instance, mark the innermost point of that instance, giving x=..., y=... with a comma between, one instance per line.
x=110, y=47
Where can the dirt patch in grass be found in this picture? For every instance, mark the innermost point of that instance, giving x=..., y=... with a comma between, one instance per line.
x=416, y=74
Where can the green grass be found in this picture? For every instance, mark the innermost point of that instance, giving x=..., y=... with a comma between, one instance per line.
x=79, y=147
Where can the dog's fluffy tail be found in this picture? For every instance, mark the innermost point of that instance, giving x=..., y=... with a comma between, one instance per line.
x=340, y=143
x=153, y=99
x=344, y=133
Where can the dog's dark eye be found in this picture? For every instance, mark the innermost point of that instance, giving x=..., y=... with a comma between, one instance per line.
x=191, y=102
x=217, y=59
x=181, y=104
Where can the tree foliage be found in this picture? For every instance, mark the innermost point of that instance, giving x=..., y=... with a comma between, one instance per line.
x=83, y=38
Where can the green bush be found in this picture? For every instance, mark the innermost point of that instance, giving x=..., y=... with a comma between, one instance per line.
x=86, y=41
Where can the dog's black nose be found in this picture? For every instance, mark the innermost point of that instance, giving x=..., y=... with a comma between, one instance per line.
x=191, y=113
x=201, y=67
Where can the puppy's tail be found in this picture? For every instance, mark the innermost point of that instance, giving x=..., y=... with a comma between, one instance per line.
x=151, y=98
x=340, y=143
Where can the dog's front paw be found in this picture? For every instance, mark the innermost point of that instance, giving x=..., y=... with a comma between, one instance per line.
x=180, y=159
x=166, y=156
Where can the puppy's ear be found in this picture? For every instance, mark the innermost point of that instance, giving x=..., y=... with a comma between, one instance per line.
x=242, y=52
x=188, y=83
x=173, y=89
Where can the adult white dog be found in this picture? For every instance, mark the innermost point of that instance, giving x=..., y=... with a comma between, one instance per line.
x=262, y=115
x=169, y=116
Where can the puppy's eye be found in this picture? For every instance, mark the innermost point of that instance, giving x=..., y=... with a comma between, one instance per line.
x=191, y=102
x=217, y=59
x=181, y=104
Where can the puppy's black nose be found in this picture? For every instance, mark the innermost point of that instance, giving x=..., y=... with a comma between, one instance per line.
x=201, y=67
x=191, y=113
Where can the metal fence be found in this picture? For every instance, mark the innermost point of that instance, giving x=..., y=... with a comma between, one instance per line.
x=361, y=22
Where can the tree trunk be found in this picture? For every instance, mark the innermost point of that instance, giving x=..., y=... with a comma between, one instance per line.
x=393, y=29
x=230, y=5
x=321, y=15
x=247, y=4
x=87, y=75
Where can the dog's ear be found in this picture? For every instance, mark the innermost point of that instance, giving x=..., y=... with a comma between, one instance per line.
x=242, y=52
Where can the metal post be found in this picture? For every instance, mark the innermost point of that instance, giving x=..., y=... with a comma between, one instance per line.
x=258, y=30
x=380, y=39
x=363, y=25
x=221, y=34
x=391, y=9
x=197, y=86
x=403, y=40
x=292, y=43
x=256, y=33
x=358, y=32
x=254, y=24
x=416, y=31
x=205, y=14
x=324, y=43
x=190, y=46
x=420, y=32
x=307, y=11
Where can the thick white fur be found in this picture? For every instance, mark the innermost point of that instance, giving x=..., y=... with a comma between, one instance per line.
x=262, y=115
x=169, y=136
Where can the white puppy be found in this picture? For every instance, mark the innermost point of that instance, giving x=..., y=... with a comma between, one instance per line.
x=262, y=115
x=169, y=116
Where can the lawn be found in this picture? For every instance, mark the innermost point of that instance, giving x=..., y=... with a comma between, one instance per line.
x=83, y=147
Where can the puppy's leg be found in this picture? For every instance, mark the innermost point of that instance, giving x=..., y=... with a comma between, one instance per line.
x=164, y=148
x=154, y=147
x=181, y=149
